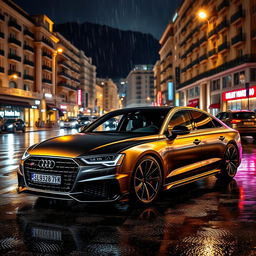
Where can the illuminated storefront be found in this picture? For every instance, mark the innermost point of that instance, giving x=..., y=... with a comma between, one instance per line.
x=239, y=99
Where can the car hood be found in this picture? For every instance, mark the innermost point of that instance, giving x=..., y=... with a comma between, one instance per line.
x=88, y=143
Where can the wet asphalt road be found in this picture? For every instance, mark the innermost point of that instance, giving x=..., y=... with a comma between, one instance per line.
x=203, y=218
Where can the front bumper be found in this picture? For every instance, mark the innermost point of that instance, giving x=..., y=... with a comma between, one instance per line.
x=93, y=183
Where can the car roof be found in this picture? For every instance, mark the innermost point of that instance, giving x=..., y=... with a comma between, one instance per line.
x=239, y=111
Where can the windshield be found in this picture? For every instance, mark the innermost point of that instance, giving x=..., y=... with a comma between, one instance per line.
x=10, y=120
x=244, y=115
x=135, y=121
x=84, y=118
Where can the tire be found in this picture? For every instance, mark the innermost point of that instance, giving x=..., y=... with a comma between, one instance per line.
x=230, y=162
x=146, y=180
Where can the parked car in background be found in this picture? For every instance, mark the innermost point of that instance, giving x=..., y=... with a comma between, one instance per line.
x=84, y=121
x=70, y=122
x=13, y=125
x=1, y=123
x=243, y=121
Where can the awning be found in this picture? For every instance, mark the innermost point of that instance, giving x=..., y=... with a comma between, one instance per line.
x=21, y=104
x=215, y=105
x=193, y=103
x=51, y=107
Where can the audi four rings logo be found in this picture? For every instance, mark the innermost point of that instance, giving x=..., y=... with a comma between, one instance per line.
x=46, y=164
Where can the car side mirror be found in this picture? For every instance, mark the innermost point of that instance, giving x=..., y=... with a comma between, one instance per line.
x=177, y=130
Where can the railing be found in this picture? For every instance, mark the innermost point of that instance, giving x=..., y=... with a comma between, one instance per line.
x=62, y=73
x=223, y=46
x=223, y=24
x=45, y=54
x=47, y=81
x=238, y=38
x=233, y=63
x=223, y=4
x=202, y=39
x=14, y=72
x=14, y=41
x=28, y=33
x=46, y=68
x=29, y=48
x=67, y=86
x=28, y=62
x=28, y=77
x=239, y=14
x=14, y=57
x=212, y=32
x=14, y=24
x=49, y=43
x=212, y=52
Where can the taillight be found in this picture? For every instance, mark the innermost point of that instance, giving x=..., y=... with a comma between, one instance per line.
x=235, y=121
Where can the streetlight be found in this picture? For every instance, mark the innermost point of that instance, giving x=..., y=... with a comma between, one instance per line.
x=59, y=50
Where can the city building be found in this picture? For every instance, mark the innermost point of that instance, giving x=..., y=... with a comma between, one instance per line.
x=40, y=70
x=99, y=108
x=214, y=54
x=140, y=87
x=157, y=83
x=110, y=94
x=88, y=83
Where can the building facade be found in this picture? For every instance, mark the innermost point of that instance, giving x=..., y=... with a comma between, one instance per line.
x=39, y=69
x=140, y=86
x=214, y=56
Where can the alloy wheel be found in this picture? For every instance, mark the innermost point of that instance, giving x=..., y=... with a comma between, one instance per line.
x=147, y=180
x=231, y=161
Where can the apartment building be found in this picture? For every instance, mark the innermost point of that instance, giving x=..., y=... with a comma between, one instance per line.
x=41, y=73
x=214, y=56
x=140, y=86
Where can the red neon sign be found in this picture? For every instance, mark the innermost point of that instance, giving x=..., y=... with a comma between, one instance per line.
x=79, y=97
x=239, y=94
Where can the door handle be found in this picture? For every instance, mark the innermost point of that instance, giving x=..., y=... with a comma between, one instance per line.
x=196, y=141
x=221, y=138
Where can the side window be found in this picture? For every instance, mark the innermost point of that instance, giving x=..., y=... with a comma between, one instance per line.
x=225, y=115
x=216, y=123
x=181, y=118
x=220, y=115
x=202, y=121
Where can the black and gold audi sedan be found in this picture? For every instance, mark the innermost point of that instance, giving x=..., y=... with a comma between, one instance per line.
x=148, y=150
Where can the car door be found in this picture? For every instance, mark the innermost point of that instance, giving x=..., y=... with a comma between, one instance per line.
x=184, y=152
x=213, y=140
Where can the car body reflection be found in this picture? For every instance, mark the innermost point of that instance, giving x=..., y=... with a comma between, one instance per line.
x=167, y=228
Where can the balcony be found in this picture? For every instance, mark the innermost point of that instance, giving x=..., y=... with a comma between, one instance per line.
x=13, y=56
x=28, y=48
x=15, y=41
x=222, y=5
x=67, y=86
x=2, y=17
x=28, y=77
x=238, y=39
x=1, y=69
x=212, y=53
x=64, y=74
x=46, y=81
x=1, y=35
x=47, y=55
x=14, y=72
x=44, y=67
x=202, y=40
x=223, y=47
x=26, y=32
x=20, y=93
x=212, y=33
x=2, y=52
x=14, y=24
x=222, y=26
x=28, y=62
x=237, y=16
x=203, y=58
x=47, y=42
x=233, y=63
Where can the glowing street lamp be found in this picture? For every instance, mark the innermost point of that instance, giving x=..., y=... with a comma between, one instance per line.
x=59, y=50
x=14, y=76
x=202, y=15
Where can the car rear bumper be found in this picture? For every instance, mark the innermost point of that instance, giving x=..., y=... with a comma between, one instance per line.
x=247, y=131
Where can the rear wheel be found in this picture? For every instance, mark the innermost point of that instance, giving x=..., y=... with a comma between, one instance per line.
x=230, y=162
x=147, y=180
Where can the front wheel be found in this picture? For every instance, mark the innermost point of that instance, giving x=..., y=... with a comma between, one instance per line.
x=147, y=180
x=230, y=162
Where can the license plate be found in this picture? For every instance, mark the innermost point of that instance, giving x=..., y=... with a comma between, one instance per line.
x=248, y=123
x=46, y=178
x=46, y=234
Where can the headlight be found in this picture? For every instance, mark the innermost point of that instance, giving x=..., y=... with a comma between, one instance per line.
x=106, y=159
x=107, y=123
x=61, y=124
x=10, y=126
x=74, y=123
x=25, y=154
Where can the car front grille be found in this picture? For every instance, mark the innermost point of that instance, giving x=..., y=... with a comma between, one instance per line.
x=66, y=168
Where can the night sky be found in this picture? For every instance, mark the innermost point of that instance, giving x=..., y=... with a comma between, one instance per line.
x=147, y=16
